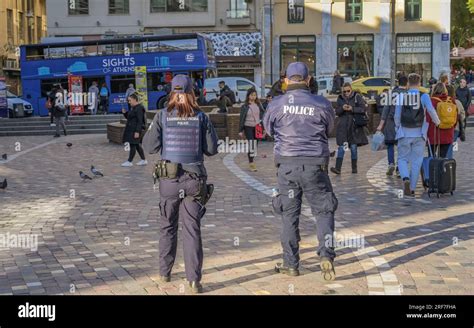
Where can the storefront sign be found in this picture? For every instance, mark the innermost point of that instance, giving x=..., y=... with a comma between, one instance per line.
x=141, y=85
x=445, y=37
x=3, y=98
x=414, y=44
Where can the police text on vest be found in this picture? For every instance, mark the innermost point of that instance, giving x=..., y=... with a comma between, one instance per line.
x=298, y=110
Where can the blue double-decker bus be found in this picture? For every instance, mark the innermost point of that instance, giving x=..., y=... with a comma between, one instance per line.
x=113, y=62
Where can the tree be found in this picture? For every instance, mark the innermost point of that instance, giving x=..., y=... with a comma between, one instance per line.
x=364, y=49
x=470, y=5
x=462, y=22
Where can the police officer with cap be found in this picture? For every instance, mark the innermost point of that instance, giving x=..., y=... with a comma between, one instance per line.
x=183, y=134
x=300, y=123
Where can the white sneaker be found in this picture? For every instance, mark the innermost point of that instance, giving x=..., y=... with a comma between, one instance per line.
x=127, y=164
x=142, y=163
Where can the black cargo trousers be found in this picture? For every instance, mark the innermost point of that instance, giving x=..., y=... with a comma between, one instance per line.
x=313, y=181
x=179, y=200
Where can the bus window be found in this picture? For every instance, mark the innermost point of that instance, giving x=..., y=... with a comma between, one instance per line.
x=172, y=45
x=119, y=83
x=155, y=81
x=47, y=85
x=74, y=52
x=90, y=50
x=34, y=53
x=118, y=49
x=105, y=49
x=55, y=53
x=135, y=47
x=87, y=82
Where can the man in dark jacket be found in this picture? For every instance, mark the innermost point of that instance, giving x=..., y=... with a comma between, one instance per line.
x=300, y=123
x=337, y=82
x=226, y=97
x=59, y=104
x=313, y=85
x=278, y=87
x=463, y=94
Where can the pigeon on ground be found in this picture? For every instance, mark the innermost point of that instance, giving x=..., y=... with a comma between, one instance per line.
x=4, y=157
x=84, y=177
x=4, y=184
x=69, y=145
x=95, y=172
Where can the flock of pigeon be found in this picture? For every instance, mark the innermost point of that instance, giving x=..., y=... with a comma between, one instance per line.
x=96, y=173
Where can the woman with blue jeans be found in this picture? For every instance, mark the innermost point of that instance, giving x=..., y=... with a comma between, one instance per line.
x=387, y=125
x=349, y=135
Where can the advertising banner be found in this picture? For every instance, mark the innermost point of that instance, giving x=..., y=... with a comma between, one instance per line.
x=141, y=85
x=75, y=89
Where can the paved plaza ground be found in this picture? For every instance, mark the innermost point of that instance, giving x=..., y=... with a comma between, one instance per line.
x=100, y=237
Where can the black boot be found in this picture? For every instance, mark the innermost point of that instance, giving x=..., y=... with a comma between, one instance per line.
x=337, y=169
x=354, y=166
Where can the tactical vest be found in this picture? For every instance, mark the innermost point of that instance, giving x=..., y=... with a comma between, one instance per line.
x=182, y=138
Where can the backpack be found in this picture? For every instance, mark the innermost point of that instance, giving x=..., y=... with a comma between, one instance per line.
x=104, y=92
x=411, y=117
x=447, y=112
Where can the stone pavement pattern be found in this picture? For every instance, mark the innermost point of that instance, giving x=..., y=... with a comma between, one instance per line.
x=103, y=240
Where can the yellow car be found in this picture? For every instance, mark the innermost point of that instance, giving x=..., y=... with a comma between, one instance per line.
x=369, y=85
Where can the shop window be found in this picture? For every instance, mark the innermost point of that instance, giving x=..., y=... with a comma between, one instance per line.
x=355, y=55
x=298, y=48
x=119, y=7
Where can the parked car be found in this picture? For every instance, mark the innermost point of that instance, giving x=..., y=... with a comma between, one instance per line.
x=238, y=85
x=369, y=86
x=325, y=83
x=18, y=107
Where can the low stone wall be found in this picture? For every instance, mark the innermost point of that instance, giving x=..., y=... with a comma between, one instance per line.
x=227, y=125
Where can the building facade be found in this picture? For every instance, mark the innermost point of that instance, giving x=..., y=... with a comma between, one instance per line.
x=23, y=22
x=355, y=36
x=233, y=25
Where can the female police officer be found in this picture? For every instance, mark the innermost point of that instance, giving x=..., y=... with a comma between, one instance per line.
x=182, y=134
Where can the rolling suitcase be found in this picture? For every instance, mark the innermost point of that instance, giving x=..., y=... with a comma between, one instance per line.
x=442, y=176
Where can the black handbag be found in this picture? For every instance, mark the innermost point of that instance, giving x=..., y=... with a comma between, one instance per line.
x=361, y=120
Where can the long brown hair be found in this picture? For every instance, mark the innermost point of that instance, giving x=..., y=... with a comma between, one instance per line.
x=185, y=103
x=439, y=89
x=247, y=98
